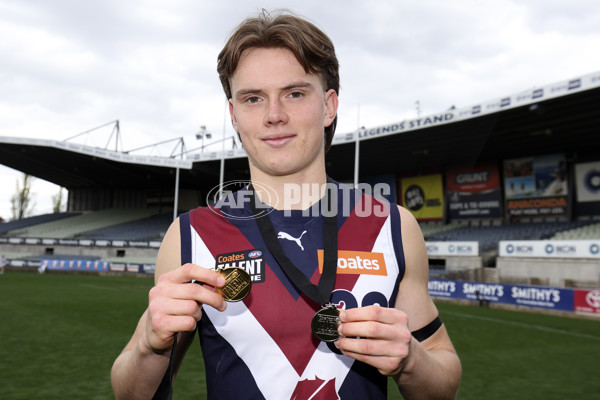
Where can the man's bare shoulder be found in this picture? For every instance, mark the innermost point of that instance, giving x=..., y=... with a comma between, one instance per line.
x=415, y=251
x=169, y=254
x=410, y=226
x=413, y=296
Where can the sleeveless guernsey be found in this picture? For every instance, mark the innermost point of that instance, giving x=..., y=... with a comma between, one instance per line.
x=263, y=347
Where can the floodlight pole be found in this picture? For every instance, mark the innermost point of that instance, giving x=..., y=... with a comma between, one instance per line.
x=176, y=199
x=357, y=147
x=222, y=169
x=222, y=174
x=356, y=157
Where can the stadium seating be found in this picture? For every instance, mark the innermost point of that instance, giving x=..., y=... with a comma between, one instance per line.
x=76, y=225
x=429, y=229
x=7, y=227
x=489, y=236
x=591, y=231
x=15, y=254
x=152, y=228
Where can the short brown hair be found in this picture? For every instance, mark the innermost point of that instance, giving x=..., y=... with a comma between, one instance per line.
x=312, y=48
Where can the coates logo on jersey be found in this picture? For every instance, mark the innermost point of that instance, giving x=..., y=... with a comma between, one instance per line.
x=357, y=262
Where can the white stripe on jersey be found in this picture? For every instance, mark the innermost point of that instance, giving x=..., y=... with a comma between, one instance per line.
x=234, y=329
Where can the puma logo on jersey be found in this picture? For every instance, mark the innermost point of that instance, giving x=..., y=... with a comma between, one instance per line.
x=285, y=235
x=357, y=262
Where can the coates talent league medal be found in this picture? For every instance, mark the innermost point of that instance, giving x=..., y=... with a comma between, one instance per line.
x=325, y=322
x=237, y=284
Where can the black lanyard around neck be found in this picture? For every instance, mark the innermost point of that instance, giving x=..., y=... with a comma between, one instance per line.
x=321, y=292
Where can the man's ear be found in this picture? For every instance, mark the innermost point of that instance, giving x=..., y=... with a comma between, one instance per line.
x=232, y=114
x=331, y=104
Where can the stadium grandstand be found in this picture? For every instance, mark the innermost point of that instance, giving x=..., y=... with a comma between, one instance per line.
x=488, y=183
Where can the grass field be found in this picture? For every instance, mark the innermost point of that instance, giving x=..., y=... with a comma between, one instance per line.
x=59, y=335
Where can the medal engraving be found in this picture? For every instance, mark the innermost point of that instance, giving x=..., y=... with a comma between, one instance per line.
x=325, y=323
x=237, y=284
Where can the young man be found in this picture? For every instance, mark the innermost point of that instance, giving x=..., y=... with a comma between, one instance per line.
x=367, y=258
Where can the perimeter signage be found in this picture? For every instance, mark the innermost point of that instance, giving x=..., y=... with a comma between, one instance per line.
x=520, y=295
x=550, y=248
x=452, y=248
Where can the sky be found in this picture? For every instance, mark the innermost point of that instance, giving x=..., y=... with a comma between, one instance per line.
x=68, y=66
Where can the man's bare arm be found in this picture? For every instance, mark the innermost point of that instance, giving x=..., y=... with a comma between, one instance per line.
x=432, y=369
x=381, y=337
x=174, y=306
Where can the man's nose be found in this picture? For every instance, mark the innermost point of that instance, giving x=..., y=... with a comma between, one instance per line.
x=276, y=113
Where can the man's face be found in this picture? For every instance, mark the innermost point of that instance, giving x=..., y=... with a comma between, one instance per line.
x=280, y=112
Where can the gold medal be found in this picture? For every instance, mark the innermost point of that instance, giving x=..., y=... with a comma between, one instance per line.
x=237, y=284
x=325, y=323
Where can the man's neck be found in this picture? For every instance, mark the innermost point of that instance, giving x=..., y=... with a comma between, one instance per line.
x=297, y=191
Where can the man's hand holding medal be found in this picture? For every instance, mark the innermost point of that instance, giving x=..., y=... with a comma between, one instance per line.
x=176, y=306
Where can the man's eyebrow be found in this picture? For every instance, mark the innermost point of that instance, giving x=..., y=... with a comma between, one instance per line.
x=299, y=84
x=293, y=85
x=243, y=92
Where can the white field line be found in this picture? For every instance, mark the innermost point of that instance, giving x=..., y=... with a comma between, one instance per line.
x=524, y=325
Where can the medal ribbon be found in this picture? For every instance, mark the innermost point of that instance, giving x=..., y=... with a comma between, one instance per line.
x=321, y=292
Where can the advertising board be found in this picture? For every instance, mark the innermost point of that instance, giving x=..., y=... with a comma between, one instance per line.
x=521, y=295
x=423, y=196
x=536, y=186
x=550, y=248
x=474, y=193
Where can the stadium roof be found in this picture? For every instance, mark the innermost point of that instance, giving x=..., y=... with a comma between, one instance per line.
x=559, y=118
x=72, y=165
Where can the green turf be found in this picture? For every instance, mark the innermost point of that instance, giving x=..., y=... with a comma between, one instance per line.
x=59, y=335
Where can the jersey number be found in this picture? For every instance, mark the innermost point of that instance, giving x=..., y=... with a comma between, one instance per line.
x=346, y=300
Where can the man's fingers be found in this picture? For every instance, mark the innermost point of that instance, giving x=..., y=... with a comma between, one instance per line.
x=367, y=329
x=387, y=366
x=167, y=325
x=373, y=347
x=375, y=335
x=191, y=272
x=189, y=291
x=178, y=285
x=175, y=304
x=373, y=313
x=184, y=307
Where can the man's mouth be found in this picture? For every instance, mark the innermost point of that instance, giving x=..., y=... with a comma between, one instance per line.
x=278, y=141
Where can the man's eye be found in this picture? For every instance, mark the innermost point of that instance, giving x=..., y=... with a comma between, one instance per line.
x=296, y=95
x=253, y=99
